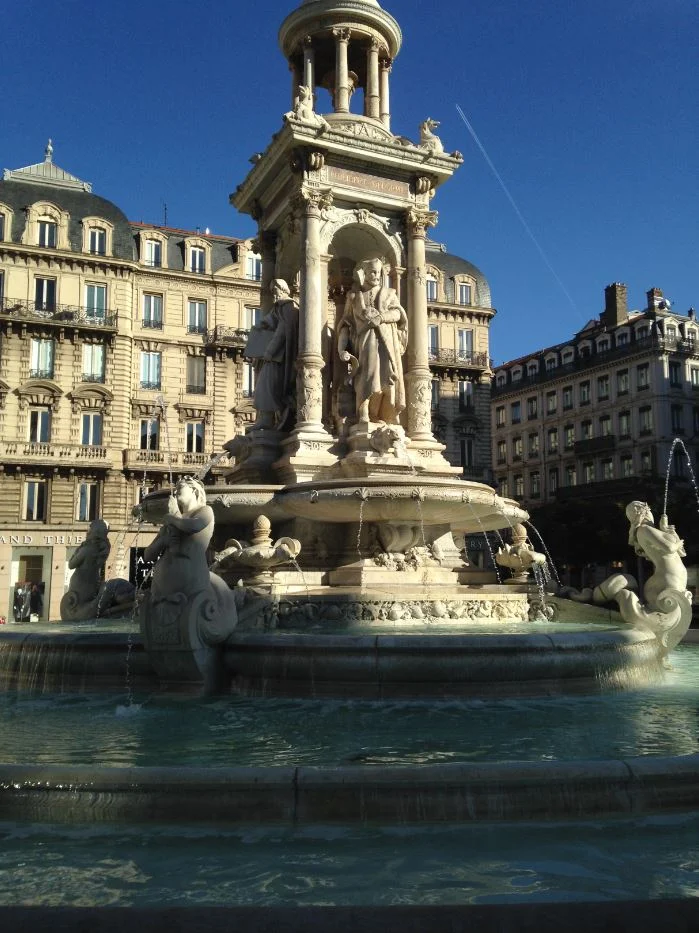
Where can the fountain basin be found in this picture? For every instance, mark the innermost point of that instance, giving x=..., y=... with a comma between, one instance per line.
x=401, y=500
x=233, y=505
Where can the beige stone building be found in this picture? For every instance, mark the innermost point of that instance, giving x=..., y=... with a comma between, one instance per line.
x=121, y=367
x=592, y=415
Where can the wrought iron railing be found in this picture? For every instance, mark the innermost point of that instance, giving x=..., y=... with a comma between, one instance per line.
x=439, y=356
x=59, y=315
x=229, y=336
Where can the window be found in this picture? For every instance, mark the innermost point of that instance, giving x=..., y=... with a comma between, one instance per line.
x=431, y=288
x=45, y=294
x=253, y=267
x=93, y=362
x=154, y=254
x=465, y=291
x=567, y=398
x=466, y=446
x=571, y=475
x=622, y=339
x=532, y=408
x=622, y=382
x=500, y=380
x=504, y=487
x=585, y=393
x=568, y=357
x=516, y=374
x=675, y=374
x=516, y=448
x=197, y=259
x=671, y=333
x=532, y=369
x=626, y=465
x=253, y=318
x=88, y=500
x=678, y=463
x=194, y=439
x=196, y=317
x=96, y=301
x=603, y=345
x=677, y=419
x=607, y=469
x=625, y=424
x=695, y=420
x=2, y=226
x=642, y=332
x=645, y=461
x=550, y=363
x=605, y=426
x=519, y=486
x=40, y=425
x=150, y=370
x=502, y=451
x=533, y=447
x=91, y=429
x=435, y=393
x=98, y=241
x=196, y=375
x=602, y=387
x=553, y=480
x=568, y=436
x=465, y=344
x=535, y=484
x=646, y=420
x=552, y=441
x=516, y=412
x=586, y=430
x=150, y=434
x=248, y=380
x=41, y=359
x=48, y=233
x=35, y=499
x=152, y=311
x=2, y=287
x=694, y=374
x=588, y=473
x=500, y=416
x=465, y=395
x=551, y=400
x=433, y=341
x=643, y=376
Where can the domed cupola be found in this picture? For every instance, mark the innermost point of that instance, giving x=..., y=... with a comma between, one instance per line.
x=342, y=45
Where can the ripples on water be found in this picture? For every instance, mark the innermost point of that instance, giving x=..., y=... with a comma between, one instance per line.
x=132, y=866
x=75, y=729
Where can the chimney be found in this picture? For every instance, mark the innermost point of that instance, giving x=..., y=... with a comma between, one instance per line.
x=615, y=306
x=655, y=296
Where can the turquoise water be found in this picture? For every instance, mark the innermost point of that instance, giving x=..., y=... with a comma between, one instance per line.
x=86, y=729
x=132, y=866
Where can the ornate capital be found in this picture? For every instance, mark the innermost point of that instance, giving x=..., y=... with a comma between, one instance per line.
x=313, y=201
x=308, y=42
x=386, y=63
x=417, y=222
x=374, y=44
x=342, y=34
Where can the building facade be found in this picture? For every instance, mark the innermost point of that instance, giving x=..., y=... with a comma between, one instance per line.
x=121, y=368
x=602, y=410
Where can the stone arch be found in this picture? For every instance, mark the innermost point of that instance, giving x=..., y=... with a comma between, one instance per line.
x=39, y=392
x=354, y=237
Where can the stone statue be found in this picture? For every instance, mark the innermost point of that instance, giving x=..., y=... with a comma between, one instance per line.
x=188, y=611
x=428, y=140
x=256, y=560
x=520, y=557
x=667, y=611
x=87, y=564
x=374, y=327
x=303, y=111
x=274, y=345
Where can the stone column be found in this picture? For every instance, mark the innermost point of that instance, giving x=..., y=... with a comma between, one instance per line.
x=309, y=64
x=418, y=378
x=385, y=65
x=372, y=104
x=342, y=89
x=265, y=244
x=295, y=81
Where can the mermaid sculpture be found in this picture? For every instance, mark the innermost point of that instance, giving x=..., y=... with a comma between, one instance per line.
x=188, y=611
x=667, y=610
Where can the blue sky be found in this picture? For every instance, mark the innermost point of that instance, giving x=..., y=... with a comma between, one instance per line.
x=588, y=110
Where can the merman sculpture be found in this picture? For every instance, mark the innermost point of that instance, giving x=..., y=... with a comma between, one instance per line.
x=519, y=557
x=87, y=563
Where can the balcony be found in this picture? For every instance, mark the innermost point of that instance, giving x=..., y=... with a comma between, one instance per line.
x=152, y=323
x=196, y=328
x=56, y=315
x=160, y=461
x=195, y=388
x=44, y=373
x=595, y=445
x=92, y=377
x=455, y=359
x=52, y=454
x=150, y=385
x=227, y=337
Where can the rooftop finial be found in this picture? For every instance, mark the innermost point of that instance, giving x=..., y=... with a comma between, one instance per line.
x=48, y=152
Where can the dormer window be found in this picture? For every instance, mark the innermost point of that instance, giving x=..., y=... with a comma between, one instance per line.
x=48, y=233
x=2, y=227
x=98, y=241
x=465, y=293
x=622, y=339
x=568, y=357
x=603, y=345
x=517, y=374
x=253, y=267
x=431, y=288
x=153, y=254
x=551, y=363
x=197, y=259
x=532, y=369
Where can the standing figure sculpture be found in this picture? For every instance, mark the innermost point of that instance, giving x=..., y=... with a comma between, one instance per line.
x=273, y=345
x=372, y=337
x=188, y=611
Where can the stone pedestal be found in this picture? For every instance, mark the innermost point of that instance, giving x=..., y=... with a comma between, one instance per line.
x=366, y=574
x=259, y=451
